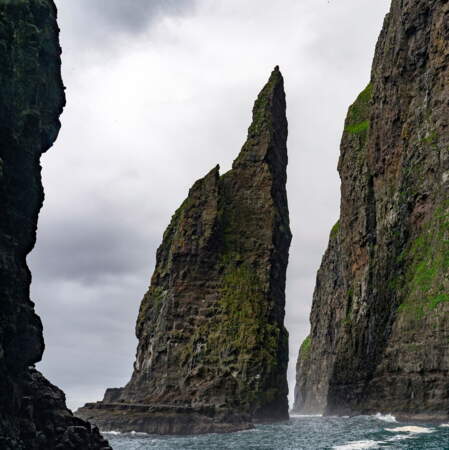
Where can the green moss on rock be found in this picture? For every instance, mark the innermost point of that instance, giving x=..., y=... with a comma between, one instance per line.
x=335, y=230
x=305, y=349
x=426, y=281
x=357, y=121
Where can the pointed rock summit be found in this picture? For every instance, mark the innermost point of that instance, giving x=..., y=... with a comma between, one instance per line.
x=213, y=351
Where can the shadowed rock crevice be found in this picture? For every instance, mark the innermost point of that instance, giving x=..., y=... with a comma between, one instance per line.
x=213, y=351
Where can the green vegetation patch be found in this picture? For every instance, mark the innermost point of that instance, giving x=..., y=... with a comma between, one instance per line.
x=239, y=339
x=358, y=127
x=246, y=329
x=335, y=230
x=431, y=138
x=305, y=349
x=426, y=282
x=357, y=121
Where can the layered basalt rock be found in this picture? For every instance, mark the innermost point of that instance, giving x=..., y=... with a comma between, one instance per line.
x=213, y=351
x=33, y=414
x=379, y=336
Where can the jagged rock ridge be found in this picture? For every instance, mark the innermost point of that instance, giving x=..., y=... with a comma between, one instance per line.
x=33, y=414
x=213, y=350
x=379, y=336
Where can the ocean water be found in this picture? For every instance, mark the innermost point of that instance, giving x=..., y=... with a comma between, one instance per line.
x=303, y=432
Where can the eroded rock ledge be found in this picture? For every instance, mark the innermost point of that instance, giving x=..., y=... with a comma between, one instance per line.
x=213, y=351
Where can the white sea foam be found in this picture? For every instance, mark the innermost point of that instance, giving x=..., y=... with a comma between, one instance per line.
x=410, y=429
x=118, y=433
x=445, y=425
x=355, y=445
x=400, y=437
x=386, y=417
x=299, y=416
x=408, y=432
x=138, y=433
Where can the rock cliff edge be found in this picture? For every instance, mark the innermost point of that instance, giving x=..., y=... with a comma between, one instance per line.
x=379, y=338
x=33, y=414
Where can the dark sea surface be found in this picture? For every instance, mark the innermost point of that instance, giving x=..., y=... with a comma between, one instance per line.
x=303, y=432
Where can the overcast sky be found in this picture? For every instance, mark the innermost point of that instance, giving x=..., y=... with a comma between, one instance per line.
x=159, y=92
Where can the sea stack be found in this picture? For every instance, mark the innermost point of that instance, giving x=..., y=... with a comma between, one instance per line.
x=33, y=414
x=213, y=350
x=379, y=338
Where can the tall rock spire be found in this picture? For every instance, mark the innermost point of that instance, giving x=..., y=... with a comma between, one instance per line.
x=213, y=350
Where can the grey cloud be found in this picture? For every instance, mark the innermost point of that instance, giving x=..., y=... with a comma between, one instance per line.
x=132, y=16
x=89, y=252
x=96, y=24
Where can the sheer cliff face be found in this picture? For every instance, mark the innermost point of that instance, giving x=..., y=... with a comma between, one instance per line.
x=31, y=100
x=380, y=315
x=210, y=328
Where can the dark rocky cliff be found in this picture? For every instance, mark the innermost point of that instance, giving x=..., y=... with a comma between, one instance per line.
x=213, y=350
x=379, y=336
x=33, y=414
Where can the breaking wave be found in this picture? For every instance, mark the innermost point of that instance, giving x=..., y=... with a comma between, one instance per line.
x=296, y=416
x=410, y=429
x=357, y=445
x=386, y=417
x=119, y=433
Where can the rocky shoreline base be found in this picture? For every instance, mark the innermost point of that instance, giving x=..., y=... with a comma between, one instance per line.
x=163, y=419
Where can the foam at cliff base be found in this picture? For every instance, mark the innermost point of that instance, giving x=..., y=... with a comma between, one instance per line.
x=357, y=445
x=299, y=416
x=118, y=433
x=445, y=425
x=410, y=429
x=386, y=417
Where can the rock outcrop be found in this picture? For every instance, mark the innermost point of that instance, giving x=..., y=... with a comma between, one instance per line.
x=379, y=336
x=213, y=351
x=33, y=414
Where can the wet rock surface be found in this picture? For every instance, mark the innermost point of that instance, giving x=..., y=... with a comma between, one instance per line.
x=379, y=336
x=33, y=414
x=213, y=350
